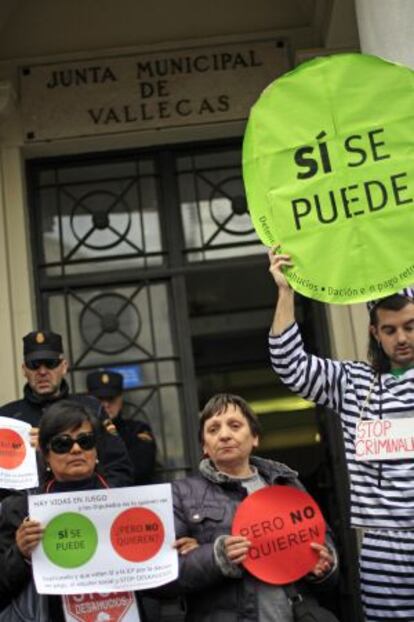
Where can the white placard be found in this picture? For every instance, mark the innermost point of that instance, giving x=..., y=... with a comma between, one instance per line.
x=18, y=468
x=384, y=439
x=109, y=540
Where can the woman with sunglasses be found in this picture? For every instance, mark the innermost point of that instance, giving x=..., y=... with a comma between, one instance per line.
x=45, y=369
x=68, y=436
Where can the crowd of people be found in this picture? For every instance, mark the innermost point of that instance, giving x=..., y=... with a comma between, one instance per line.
x=85, y=442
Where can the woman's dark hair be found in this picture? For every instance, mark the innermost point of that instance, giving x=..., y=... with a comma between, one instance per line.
x=64, y=415
x=376, y=355
x=219, y=403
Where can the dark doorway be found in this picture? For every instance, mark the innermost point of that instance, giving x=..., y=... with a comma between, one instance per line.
x=148, y=260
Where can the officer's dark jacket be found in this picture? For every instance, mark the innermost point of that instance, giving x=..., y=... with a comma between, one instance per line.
x=114, y=461
x=204, y=509
x=142, y=451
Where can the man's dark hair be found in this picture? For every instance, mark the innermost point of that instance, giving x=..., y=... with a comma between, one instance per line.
x=376, y=355
x=219, y=403
x=64, y=415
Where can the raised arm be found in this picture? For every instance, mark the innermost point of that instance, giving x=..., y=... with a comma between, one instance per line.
x=285, y=308
x=320, y=380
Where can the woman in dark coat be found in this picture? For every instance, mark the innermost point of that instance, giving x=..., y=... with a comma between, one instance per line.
x=67, y=438
x=216, y=586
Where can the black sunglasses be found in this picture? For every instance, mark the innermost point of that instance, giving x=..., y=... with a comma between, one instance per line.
x=63, y=443
x=49, y=363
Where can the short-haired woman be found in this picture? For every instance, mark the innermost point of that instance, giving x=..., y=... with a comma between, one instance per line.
x=211, y=576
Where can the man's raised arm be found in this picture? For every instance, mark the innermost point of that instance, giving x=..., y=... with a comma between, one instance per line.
x=285, y=307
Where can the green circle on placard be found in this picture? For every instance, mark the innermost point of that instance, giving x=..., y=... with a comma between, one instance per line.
x=70, y=540
x=328, y=166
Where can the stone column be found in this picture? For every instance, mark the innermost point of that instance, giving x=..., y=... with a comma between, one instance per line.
x=16, y=299
x=386, y=29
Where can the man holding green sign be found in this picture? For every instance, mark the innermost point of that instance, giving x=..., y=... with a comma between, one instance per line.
x=382, y=491
x=329, y=173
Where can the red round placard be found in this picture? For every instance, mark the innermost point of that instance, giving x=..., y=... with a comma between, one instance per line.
x=280, y=523
x=12, y=449
x=137, y=534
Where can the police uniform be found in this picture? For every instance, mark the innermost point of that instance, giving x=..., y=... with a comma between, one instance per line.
x=46, y=346
x=137, y=435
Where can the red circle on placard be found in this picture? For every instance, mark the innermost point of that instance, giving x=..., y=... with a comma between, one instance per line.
x=12, y=449
x=137, y=534
x=280, y=523
x=84, y=607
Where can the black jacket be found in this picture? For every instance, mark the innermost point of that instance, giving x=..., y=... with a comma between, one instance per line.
x=19, y=572
x=114, y=461
x=140, y=443
x=204, y=509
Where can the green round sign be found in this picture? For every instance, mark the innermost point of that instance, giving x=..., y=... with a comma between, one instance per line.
x=329, y=174
x=70, y=540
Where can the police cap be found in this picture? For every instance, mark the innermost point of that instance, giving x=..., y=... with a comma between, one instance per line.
x=103, y=383
x=42, y=344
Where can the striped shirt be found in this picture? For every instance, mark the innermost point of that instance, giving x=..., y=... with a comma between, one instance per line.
x=382, y=493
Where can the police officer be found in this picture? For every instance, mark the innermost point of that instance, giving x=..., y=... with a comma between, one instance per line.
x=107, y=386
x=44, y=368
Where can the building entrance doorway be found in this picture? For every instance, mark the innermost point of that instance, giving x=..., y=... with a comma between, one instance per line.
x=147, y=262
